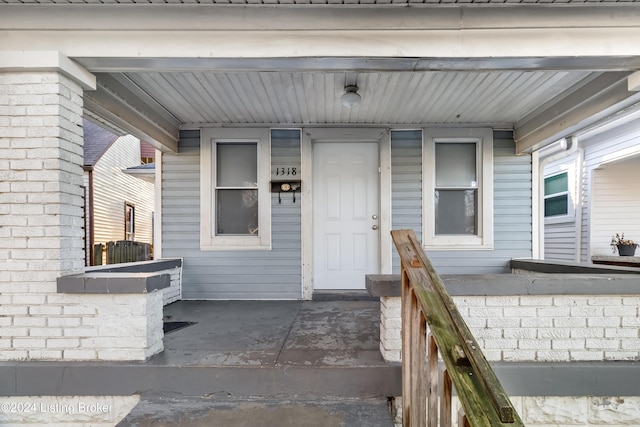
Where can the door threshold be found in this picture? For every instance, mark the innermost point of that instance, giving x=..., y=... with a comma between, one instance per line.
x=342, y=295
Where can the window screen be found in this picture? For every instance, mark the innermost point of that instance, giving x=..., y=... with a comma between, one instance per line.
x=456, y=192
x=236, y=189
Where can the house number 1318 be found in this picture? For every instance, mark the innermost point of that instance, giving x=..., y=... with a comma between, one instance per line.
x=286, y=171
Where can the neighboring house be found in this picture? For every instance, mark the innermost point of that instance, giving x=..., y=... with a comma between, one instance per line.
x=591, y=189
x=119, y=202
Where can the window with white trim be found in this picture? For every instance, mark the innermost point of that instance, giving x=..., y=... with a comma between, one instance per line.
x=234, y=188
x=458, y=188
x=556, y=195
x=129, y=221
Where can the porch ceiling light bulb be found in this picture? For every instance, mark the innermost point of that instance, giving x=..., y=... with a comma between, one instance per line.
x=351, y=98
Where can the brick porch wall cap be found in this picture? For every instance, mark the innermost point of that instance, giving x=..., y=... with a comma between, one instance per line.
x=113, y=283
x=388, y=285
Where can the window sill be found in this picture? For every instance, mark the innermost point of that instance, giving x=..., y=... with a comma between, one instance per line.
x=458, y=247
x=235, y=243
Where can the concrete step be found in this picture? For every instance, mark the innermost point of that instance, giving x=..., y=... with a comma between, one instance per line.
x=122, y=379
x=195, y=411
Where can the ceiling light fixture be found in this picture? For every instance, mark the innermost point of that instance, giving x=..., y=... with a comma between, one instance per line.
x=351, y=98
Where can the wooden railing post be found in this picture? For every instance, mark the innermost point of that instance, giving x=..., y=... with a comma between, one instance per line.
x=445, y=400
x=425, y=301
x=407, y=381
x=432, y=396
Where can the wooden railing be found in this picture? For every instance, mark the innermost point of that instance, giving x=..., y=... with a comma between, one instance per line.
x=432, y=325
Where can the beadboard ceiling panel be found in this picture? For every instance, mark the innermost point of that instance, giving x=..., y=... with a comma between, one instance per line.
x=405, y=98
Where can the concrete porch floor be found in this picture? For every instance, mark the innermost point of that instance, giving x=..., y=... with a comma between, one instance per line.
x=244, y=364
x=277, y=363
x=273, y=333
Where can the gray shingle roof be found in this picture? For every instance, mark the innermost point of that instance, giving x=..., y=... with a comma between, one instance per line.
x=96, y=142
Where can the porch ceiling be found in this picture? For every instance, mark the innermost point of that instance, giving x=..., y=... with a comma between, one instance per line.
x=539, y=105
x=313, y=98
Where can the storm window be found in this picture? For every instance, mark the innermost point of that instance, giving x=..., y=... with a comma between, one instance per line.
x=556, y=195
x=236, y=208
x=458, y=188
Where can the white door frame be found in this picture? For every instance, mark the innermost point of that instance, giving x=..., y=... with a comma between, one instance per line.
x=381, y=136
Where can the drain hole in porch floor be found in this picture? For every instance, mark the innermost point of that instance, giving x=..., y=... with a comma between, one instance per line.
x=169, y=327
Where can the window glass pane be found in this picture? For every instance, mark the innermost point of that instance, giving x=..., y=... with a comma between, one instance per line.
x=237, y=212
x=236, y=164
x=129, y=221
x=556, y=184
x=456, y=165
x=456, y=211
x=558, y=205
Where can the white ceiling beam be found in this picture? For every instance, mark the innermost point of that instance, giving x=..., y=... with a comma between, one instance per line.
x=116, y=104
x=476, y=43
x=362, y=64
x=594, y=101
x=268, y=32
x=156, y=17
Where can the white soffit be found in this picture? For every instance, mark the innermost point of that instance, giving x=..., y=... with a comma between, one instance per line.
x=405, y=98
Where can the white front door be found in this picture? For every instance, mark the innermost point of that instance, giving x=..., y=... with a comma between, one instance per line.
x=345, y=214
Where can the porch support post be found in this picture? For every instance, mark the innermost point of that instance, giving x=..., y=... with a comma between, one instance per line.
x=41, y=233
x=41, y=236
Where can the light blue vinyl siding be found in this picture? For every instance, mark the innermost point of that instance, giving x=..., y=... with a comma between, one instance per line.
x=560, y=239
x=274, y=274
x=511, y=208
x=406, y=184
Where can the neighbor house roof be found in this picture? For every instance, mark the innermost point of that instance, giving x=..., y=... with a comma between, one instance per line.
x=97, y=141
x=145, y=172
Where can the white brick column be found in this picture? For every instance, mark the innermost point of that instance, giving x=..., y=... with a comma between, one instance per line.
x=40, y=206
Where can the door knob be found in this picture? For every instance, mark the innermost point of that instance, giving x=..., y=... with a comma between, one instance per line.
x=374, y=227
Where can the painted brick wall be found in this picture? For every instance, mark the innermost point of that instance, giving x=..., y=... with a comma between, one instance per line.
x=537, y=328
x=83, y=327
x=552, y=411
x=41, y=236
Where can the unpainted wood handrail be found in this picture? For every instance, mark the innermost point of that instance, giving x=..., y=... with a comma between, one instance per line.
x=425, y=300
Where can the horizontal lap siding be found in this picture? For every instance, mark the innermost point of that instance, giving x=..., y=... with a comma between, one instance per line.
x=112, y=188
x=406, y=184
x=615, y=205
x=560, y=242
x=274, y=274
x=616, y=196
x=511, y=208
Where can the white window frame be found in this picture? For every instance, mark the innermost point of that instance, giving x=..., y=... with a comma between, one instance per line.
x=483, y=137
x=130, y=218
x=570, y=215
x=209, y=241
